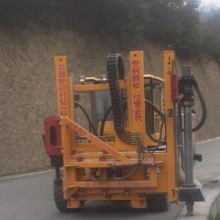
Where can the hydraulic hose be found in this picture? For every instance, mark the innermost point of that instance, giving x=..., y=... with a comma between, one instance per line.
x=137, y=165
x=203, y=105
x=104, y=120
x=158, y=141
x=160, y=138
x=87, y=117
x=155, y=108
x=186, y=84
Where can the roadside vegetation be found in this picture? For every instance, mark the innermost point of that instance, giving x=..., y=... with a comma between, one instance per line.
x=167, y=22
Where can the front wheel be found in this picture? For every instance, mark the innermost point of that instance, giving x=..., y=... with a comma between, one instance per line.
x=157, y=202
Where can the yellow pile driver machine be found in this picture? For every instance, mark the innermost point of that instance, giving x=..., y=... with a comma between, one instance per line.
x=138, y=141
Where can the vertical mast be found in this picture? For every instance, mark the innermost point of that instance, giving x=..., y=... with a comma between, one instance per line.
x=169, y=58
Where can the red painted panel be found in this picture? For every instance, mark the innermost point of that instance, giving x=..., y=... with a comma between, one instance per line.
x=174, y=87
x=52, y=132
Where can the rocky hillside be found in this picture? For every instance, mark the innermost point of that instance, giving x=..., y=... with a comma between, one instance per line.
x=27, y=85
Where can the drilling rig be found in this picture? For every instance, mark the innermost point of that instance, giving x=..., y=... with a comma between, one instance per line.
x=138, y=143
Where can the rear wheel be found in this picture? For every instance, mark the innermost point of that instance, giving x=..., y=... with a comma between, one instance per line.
x=157, y=202
x=60, y=202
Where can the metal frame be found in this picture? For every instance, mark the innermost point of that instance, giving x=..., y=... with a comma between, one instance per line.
x=78, y=157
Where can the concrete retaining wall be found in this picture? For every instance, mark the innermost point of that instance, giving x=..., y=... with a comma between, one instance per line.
x=214, y=213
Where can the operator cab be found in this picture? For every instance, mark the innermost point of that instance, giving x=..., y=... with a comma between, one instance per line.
x=100, y=107
x=153, y=92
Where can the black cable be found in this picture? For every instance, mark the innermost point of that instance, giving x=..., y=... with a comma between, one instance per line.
x=137, y=165
x=152, y=151
x=87, y=117
x=130, y=174
x=104, y=120
x=155, y=108
x=203, y=105
x=146, y=150
x=160, y=138
x=163, y=119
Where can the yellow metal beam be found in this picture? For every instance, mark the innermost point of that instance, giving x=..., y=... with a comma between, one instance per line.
x=115, y=184
x=135, y=83
x=97, y=87
x=62, y=89
x=98, y=142
x=169, y=58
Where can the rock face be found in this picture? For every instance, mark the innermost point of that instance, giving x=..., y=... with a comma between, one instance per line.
x=27, y=85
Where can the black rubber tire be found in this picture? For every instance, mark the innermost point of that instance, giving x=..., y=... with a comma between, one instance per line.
x=157, y=202
x=60, y=202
